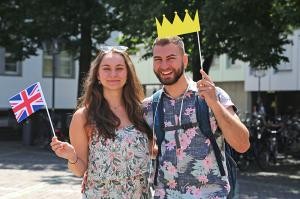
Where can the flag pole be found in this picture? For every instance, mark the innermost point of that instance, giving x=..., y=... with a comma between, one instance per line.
x=199, y=50
x=53, y=131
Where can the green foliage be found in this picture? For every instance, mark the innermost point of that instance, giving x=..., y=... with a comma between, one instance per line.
x=25, y=24
x=253, y=31
x=249, y=30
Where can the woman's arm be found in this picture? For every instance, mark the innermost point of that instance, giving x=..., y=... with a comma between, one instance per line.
x=79, y=140
x=77, y=152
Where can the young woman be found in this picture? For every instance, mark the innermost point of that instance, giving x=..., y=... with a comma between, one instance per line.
x=109, y=138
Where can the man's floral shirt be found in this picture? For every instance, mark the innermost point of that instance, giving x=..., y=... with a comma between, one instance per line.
x=187, y=163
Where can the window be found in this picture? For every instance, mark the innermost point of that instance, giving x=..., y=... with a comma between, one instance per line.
x=9, y=66
x=65, y=65
x=233, y=63
x=216, y=62
x=286, y=66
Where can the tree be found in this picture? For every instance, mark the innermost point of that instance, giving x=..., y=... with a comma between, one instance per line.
x=249, y=30
x=80, y=26
x=253, y=31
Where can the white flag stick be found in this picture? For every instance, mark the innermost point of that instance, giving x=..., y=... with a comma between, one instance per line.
x=199, y=50
x=53, y=131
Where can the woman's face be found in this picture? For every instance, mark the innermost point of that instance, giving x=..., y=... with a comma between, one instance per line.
x=112, y=71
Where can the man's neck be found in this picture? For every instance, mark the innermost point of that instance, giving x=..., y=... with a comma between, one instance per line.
x=177, y=89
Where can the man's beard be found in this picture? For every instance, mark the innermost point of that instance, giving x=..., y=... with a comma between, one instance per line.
x=177, y=74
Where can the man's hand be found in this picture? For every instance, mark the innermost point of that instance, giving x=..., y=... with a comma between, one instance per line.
x=206, y=88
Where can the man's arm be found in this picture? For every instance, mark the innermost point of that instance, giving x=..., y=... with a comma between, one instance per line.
x=234, y=131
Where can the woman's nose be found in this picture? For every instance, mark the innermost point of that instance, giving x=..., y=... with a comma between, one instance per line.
x=113, y=73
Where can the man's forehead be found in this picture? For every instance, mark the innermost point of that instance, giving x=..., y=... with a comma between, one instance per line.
x=168, y=49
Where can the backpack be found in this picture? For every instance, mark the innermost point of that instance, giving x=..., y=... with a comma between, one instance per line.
x=202, y=114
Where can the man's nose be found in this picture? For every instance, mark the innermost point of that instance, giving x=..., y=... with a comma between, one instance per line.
x=163, y=64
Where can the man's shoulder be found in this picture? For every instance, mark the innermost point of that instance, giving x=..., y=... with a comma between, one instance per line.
x=224, y=98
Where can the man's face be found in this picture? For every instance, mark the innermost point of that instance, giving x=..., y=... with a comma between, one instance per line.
x=168, y=63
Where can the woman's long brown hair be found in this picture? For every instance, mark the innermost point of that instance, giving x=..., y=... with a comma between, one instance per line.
x=99, y=116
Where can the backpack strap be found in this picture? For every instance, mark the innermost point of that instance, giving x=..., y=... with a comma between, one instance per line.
x=158, y=121
x=202, y=114
x=158, y=118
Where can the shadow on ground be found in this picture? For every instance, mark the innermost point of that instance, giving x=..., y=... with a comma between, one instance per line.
x=13, y=155
x=58, y=179
x=279, y=181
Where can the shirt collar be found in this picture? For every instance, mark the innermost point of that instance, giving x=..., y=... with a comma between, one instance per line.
x=192, y=87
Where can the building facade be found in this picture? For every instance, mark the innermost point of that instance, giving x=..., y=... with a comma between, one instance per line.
x=278, y=90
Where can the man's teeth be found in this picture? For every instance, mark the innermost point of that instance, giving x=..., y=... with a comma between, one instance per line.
x=166, y=73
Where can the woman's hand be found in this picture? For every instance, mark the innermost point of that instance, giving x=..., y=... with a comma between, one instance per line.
x=63, y=150
x=153, y=148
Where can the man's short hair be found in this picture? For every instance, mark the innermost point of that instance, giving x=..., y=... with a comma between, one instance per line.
x=169, y=40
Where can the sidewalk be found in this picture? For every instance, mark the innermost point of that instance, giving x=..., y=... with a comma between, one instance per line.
x=35, y=173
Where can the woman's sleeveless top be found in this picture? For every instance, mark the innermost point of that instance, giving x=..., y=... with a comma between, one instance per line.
x=118, y=168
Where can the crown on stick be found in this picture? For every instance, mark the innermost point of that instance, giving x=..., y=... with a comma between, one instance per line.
x=179, y=27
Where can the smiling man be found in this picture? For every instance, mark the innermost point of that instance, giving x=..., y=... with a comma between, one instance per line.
x=187, y=166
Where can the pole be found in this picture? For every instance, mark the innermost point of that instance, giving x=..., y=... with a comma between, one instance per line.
x=199, y=46
x=53, y=81
x=258, y=94
x=53, y=131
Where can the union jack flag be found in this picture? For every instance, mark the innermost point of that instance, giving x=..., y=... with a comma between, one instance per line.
x=27, y=101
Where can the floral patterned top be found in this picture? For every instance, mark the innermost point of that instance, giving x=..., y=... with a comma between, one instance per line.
x=118, y=168
x=187, y=164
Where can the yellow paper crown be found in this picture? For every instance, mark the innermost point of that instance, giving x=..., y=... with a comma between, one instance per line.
x=179, y=27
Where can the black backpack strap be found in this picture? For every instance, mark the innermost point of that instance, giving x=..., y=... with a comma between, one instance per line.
x=158, y=118
x=158, y=121
x=202, y=113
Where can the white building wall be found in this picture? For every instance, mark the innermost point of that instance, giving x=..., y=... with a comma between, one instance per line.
x=286, y=78
x=144, y=69
x=65, y=89
x=230, y=77
x=223, y=71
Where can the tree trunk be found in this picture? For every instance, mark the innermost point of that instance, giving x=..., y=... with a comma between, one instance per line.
x=196, y=65
x=85, y=53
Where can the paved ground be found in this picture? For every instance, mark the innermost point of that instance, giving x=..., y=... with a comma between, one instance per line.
x=36, y=173
x=279, y=181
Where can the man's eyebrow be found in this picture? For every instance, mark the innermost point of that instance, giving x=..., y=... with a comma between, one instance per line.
x=171, y=55
x=156, y=57
x=168, y=56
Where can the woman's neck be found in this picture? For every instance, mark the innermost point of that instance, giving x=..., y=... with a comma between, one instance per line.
x=113, y=98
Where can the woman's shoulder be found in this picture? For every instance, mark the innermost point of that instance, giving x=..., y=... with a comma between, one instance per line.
x=80, y=115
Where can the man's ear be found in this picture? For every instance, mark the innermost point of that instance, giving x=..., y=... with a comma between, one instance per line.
x=185, y=60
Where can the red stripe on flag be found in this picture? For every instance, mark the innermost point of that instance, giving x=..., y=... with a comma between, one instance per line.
x=26, y=102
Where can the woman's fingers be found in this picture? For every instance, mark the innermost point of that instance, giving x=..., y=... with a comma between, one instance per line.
x=57, y=146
